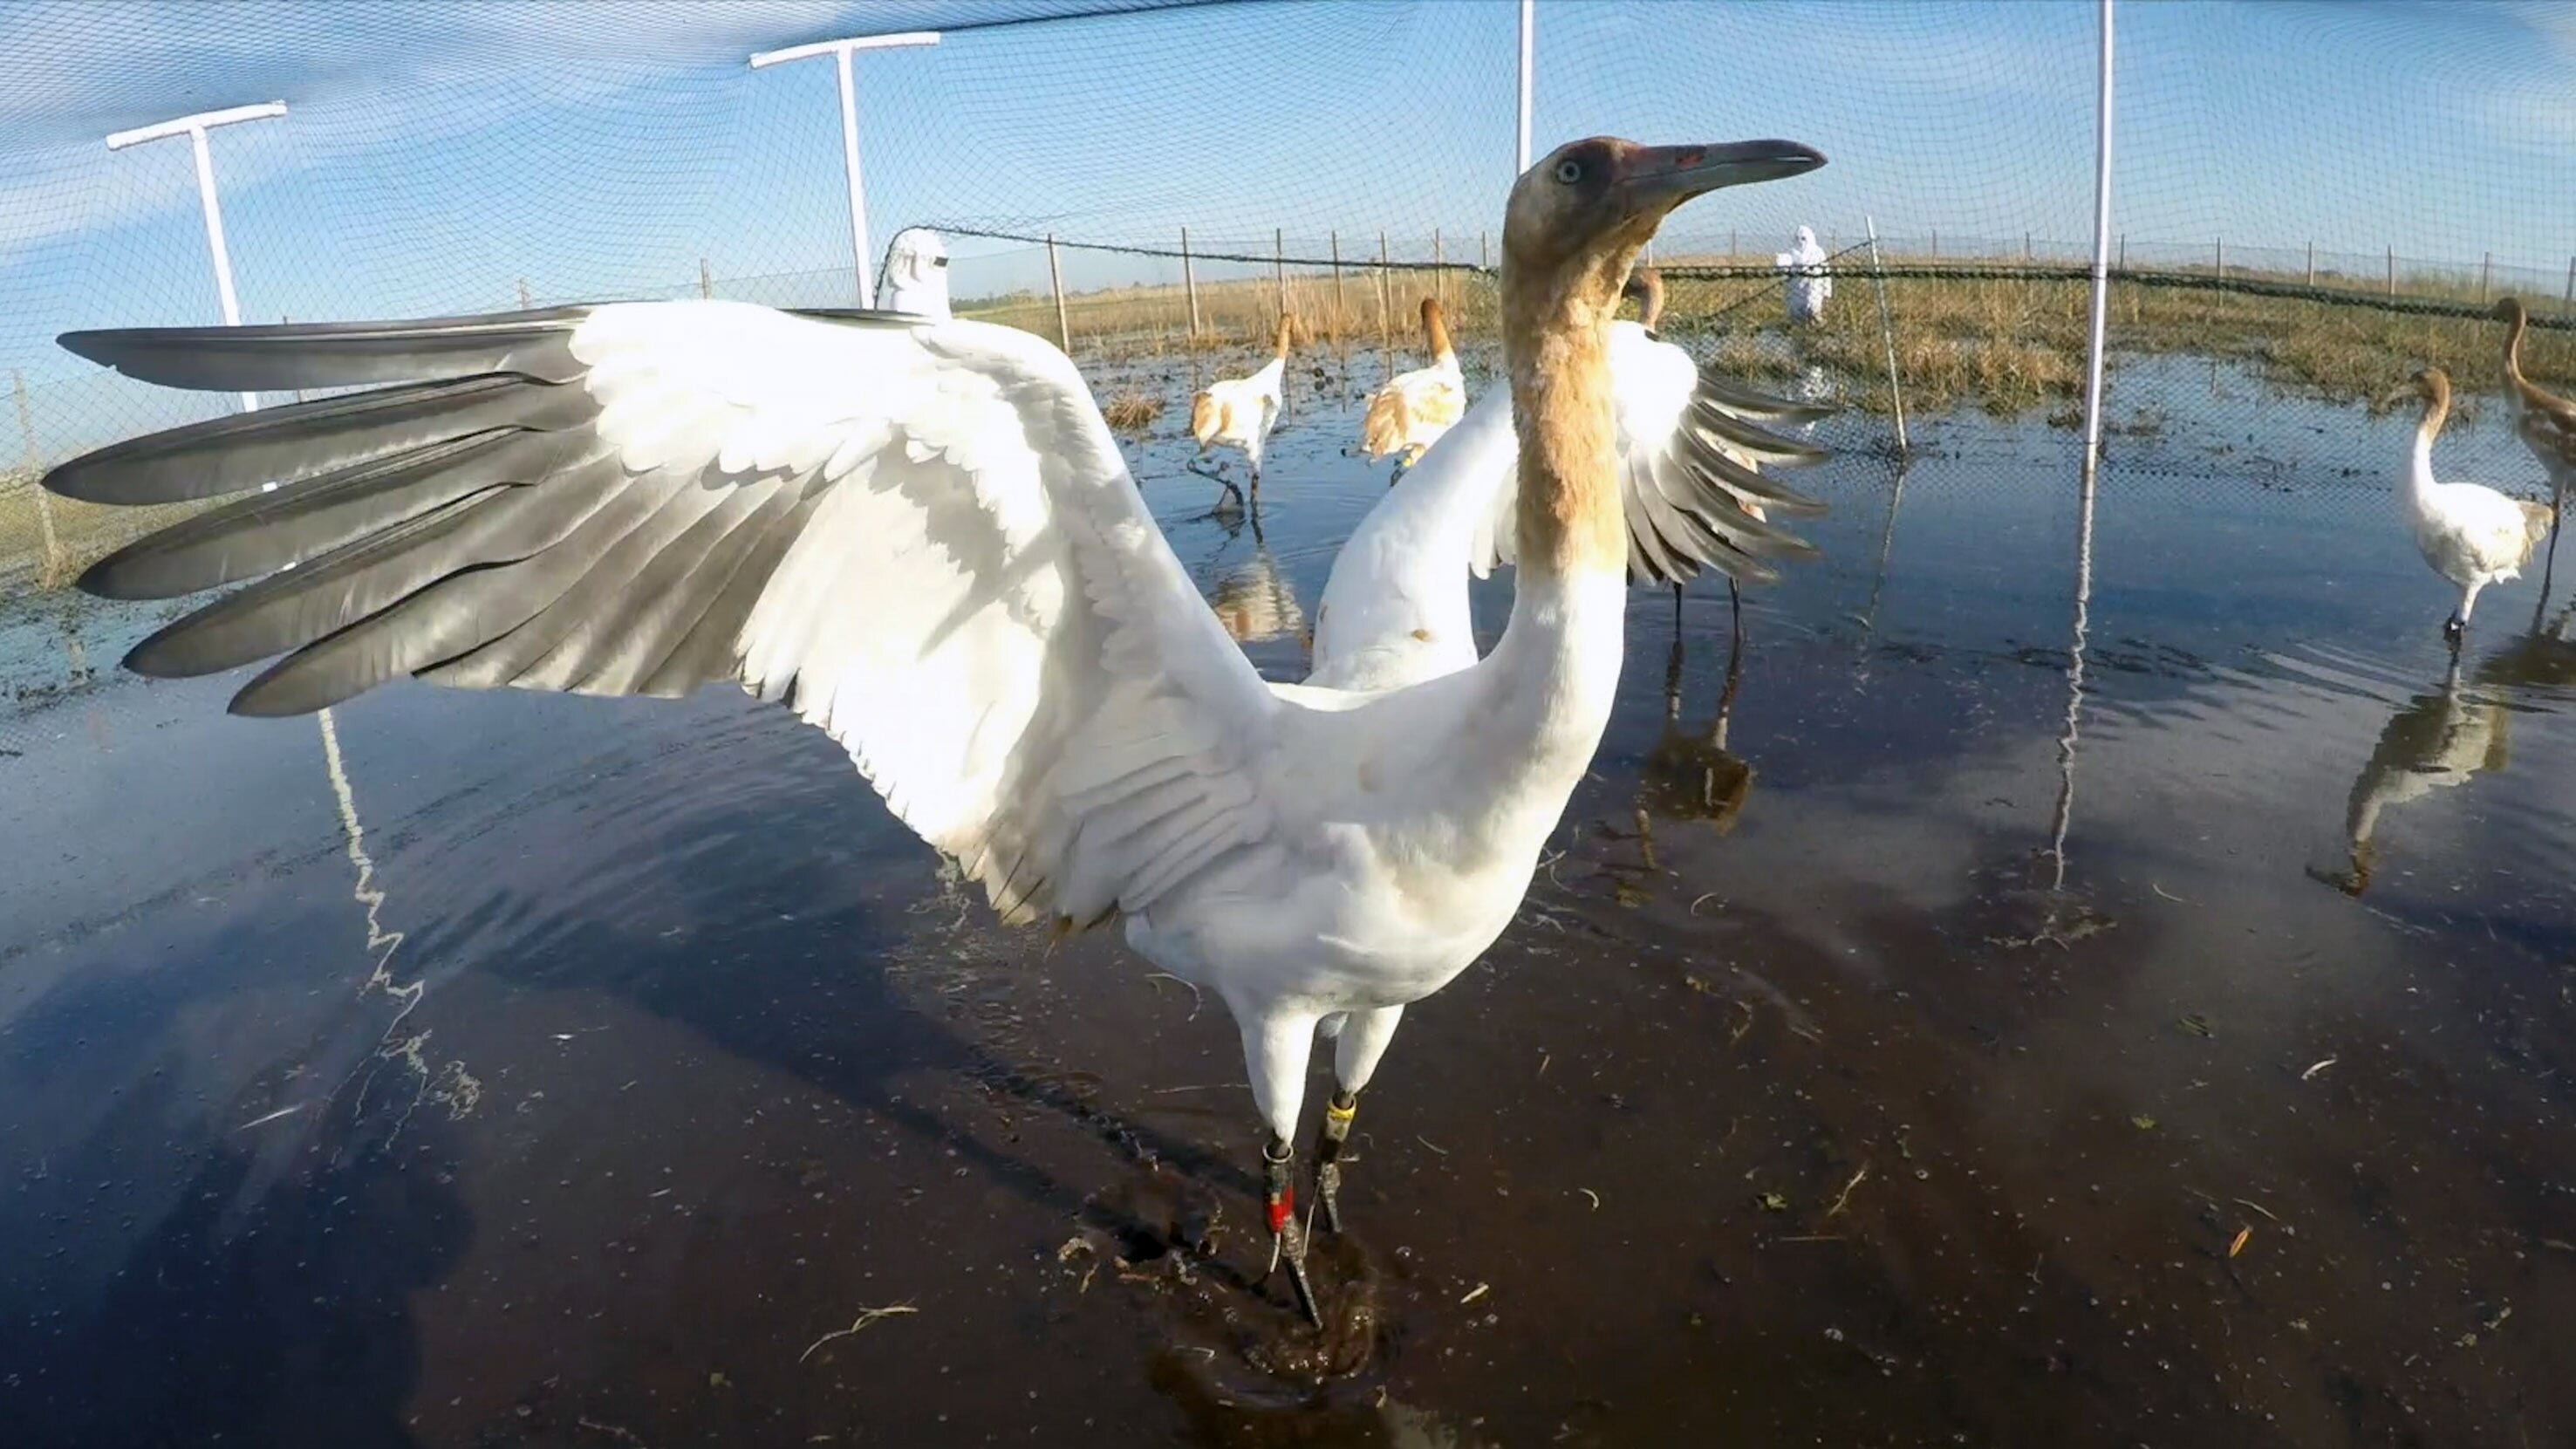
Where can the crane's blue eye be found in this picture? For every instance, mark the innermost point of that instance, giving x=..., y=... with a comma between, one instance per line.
x=1569, y=171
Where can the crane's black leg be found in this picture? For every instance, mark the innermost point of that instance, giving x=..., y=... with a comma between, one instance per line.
x=1332, y=1142
x=1287, y=1235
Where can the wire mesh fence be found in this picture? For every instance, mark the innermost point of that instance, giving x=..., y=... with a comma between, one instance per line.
x=2310, y=202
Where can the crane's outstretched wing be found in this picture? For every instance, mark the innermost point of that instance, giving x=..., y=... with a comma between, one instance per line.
x=1395, y=609
x=920, y=535
x=1691, y=447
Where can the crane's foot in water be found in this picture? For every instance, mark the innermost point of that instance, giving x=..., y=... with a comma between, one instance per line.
x=1332, y=1149
x=1287, y=1235
x=2454, y=629
x=1227, y=483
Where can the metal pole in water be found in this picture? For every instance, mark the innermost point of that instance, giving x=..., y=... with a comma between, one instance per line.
x=44, y=504
x=1887, y=327
x=1055, y=272
x=2312, y=264
x=1382, y=309
x=1190, y=283
x=2218, y=257
x=2392, y=271
x=2101, y=271
x=2486, y=274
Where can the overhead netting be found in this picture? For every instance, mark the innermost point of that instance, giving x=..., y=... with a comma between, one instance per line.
x=2311, y=199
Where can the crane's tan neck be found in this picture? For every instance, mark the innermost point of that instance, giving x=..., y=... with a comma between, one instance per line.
x=2513, y=350
x=1435, y=333
x=1287, y=323
x=1557, y=337
x=2437, y=411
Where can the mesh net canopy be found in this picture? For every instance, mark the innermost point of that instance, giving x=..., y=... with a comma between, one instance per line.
x=2309, y=198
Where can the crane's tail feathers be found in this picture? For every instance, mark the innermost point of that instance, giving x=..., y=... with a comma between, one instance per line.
x=1204, y=418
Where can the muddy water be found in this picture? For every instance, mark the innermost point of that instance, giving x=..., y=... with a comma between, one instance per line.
x=1879, y=1062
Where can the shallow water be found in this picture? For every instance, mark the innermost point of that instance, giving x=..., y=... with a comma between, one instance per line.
x=1878, y=1062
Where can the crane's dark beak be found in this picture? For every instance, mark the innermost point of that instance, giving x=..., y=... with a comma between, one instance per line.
x=1659, y=178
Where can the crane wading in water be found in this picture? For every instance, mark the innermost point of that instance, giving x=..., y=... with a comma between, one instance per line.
x=2544, y=421
x=1239, y=412
x=922, y=538
x=2469, y=533
x=1410, y=413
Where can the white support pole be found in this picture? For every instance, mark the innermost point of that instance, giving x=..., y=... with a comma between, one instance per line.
x=1529, y=26
x=1887, y=327
x=2101, y=267
x=840, y=51
x=195, y=128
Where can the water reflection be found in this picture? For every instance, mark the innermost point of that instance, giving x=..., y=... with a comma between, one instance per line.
x=1690, y=774
x=2446, y=735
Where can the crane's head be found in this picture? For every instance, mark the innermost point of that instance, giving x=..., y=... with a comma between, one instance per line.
x=2510, y=311
x=916, y=274
x=2431, y=385
x=1646, y=287
x=1580, y=216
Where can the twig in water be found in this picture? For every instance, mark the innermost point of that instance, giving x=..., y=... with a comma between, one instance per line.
x=862, y=1321
x=1427, y=1142
x=271, y=1117
x=2256, y=1206
x=2319, y=1067
x=2168, y=895
x=1847, y=1191
x=2242, y=1234
x=1703, y=896
x=1479, y=1291
x=1195, y=1000
x=1596, y=1197
x=1811, y=1238
x=624, y=1434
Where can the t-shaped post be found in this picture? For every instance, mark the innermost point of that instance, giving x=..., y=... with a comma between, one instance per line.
x=195, y=128
x=840, y=50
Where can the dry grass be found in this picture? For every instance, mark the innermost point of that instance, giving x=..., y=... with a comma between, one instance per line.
x=1132, y=412
x=2004, y=344
x=79, y=533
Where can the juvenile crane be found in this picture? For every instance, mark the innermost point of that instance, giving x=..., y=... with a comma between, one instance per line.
x=2469, y=533
x=922, y=538
x=1410, y=413
x=2544, y=421
x=1239, y=412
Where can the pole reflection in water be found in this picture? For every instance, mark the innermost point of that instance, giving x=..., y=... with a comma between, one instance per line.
x=2063, y=816
x=1878, y=581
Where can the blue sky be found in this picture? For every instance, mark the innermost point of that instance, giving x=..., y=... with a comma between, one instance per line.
x=437, y=155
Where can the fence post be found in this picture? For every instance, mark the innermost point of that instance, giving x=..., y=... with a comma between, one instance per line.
x=2312, y=264
x=44, y=504
x=1732, y=251
x=1279, y=266
x=2124, y=251
x=706, y=279
x=2392, y=271
x=2025, y=247
x=2218, y=257
x=1439, y=269
x=1936, y=243
x=1887, y=325
x=1381, y=292
x=2570, y=299
x=1484, y=262
x=2486, y=274
x=1336, y=238
x=1055, y=273
x=523, y=294
x=1190, y=283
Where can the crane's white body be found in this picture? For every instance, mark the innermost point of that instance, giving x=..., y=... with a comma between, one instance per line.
x=1239, y=412
x=1809, y=285
x=1414, y=409
x=2468, y=533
